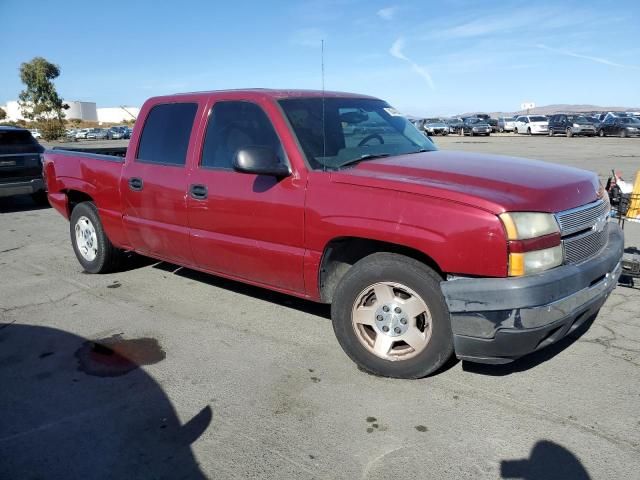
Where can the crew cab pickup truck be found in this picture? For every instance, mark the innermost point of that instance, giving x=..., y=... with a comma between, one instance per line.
x=337, y=198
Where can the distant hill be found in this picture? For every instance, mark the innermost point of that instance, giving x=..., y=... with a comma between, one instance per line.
x=559, y=108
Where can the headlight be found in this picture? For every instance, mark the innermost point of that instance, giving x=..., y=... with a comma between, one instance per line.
x=534, y=242
x=576, y=125
x=525, y=225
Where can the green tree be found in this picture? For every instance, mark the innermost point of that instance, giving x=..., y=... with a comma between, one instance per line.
x=3, y=114
x=40, y=101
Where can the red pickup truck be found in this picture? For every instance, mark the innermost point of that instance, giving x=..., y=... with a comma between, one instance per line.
x=337, y=198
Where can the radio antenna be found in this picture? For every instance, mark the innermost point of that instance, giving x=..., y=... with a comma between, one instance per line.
x=324, y=135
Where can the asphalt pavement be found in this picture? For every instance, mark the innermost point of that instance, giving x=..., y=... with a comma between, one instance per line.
x=163, y=372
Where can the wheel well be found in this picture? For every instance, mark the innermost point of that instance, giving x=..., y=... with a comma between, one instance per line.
x=342, y=253
x=76, y=197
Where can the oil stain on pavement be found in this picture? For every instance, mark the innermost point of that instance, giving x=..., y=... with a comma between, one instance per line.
x=115, y=356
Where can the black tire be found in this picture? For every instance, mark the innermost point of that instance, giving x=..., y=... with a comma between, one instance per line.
x=40, y=198
x=529, y=131
x=569, y=133
x=601, y=133
x=390, y=267
x=551, y=132
x=515, y=130
x=107, y=258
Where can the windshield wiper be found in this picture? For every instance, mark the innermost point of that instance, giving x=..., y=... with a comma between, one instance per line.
x=366, y=156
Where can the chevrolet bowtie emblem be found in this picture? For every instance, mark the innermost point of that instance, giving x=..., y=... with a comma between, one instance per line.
x=601, y=222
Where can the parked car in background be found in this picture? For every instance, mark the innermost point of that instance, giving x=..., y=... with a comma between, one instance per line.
x=620, y=126
x=475, y=126
x=435, y=126
x=97, y=134
x=82, y=133
x=506, y=124
x=482, y=116
x=455, y=125
x=35, y=133
x=532, y=125
x=493, y=122
x=21, y=164
x=421, y=253
x=117, y=133
x=570, y=125
x=595, y=121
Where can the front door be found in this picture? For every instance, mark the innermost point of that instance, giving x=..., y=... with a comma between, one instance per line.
x=243, y=225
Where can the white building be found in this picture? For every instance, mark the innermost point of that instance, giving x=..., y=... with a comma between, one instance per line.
x=77, y=110
x=117, y=114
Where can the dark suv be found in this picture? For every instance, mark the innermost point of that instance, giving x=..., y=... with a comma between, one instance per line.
x=20, y=164
x=570, y=125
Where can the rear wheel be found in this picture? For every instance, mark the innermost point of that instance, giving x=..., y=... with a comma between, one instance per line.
x=529, y=131
x=601, y=132
x=569, y=132
x=390, y=317
x=515, y=130
x=92, y=247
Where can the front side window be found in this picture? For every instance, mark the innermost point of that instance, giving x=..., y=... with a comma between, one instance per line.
x=166, y=132
x=234, y=125
x=335, y=132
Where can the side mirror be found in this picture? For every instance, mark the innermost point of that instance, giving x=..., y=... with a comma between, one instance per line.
x=259, y=161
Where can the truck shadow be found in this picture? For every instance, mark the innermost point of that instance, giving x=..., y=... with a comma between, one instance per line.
x=548, y=461
x=533, y=359
x=113, y=422
x=306, y=306
x=20, y=203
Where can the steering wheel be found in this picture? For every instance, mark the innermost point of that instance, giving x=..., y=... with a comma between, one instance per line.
x=377, y=136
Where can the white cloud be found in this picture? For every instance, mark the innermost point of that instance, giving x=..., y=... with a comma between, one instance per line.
x=568, y=53
x=308, y=37
x=396, y=51
x=387, y=13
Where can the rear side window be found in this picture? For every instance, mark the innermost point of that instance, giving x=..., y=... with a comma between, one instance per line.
x=18, y=141
x=234, y=125
x=166, y=132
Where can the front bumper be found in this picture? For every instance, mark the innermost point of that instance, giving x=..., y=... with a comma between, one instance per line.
x=497, y=320
x=21, y=188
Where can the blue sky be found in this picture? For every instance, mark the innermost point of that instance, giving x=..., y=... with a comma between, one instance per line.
x=424, y=57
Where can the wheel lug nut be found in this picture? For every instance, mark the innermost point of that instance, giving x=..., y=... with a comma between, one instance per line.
x=397, y=330
x=385, y=329
x=397, y=310
x=379, y=318
x=403, y=321
x=385, y=309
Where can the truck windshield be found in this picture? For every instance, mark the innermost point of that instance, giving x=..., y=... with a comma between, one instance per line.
x=335, y=132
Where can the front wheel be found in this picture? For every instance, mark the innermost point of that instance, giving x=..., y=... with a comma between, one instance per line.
x=528, y=131
x=390, y=317
x=92, y=247
x=569, y=133
x=601, y=133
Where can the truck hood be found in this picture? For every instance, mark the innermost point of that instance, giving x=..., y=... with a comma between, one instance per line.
x=491, y=182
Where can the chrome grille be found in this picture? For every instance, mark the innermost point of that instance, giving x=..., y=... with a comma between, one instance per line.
x=582, y=218
x=582, y=247
x=581, y=237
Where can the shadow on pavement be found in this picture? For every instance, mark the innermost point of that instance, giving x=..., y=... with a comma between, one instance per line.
x=532, y=360
x=548, y=461
x=58, y=422
x=20, y=203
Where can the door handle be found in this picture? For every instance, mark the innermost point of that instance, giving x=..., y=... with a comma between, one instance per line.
x=199, y=192
x=135, y=184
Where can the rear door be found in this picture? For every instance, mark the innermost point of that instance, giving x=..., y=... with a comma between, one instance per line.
x=154, y=183
x=243, y=225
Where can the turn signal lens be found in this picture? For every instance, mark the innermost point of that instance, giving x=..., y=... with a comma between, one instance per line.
x=535, y=261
